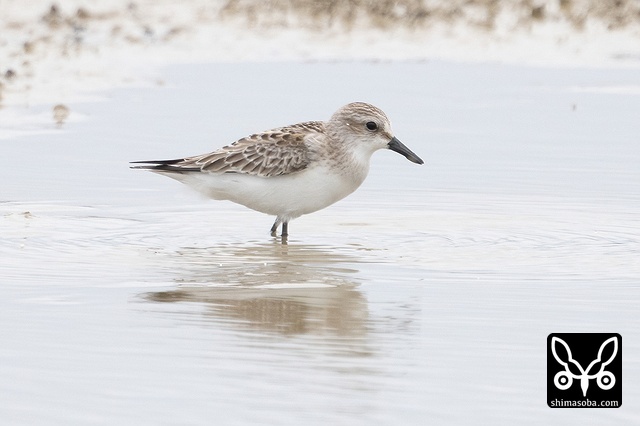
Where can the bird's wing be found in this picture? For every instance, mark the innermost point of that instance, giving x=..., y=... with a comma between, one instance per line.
x=275, y=152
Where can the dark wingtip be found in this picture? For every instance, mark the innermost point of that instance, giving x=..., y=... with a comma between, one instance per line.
x=158, y=162
x=161, y=165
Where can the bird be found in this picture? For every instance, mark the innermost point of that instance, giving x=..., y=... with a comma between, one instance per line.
x=290, y=171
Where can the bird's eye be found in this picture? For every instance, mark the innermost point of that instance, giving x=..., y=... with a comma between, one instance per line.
x=371, y=126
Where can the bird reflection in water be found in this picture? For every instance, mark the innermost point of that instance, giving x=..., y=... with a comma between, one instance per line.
x=287, y=289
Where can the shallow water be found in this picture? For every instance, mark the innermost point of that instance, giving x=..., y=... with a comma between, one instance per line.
x=426, y=296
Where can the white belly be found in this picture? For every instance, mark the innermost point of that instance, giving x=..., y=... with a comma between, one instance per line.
x=287, y=196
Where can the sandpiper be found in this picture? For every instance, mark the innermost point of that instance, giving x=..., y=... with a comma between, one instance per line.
x=293, y=170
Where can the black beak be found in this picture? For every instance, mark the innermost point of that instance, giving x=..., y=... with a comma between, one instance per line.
x=397, y=146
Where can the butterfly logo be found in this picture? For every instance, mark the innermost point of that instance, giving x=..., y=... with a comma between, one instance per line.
x=573, y=370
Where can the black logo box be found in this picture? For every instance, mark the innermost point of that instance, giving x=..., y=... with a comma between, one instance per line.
x=584, y=370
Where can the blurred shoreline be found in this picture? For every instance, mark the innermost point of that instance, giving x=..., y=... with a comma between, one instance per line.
x=59, y=52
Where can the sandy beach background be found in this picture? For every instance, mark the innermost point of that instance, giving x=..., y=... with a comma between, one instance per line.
x=55, y=52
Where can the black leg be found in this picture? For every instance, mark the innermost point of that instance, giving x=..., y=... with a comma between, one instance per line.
x=285, y=229
x=274, y=228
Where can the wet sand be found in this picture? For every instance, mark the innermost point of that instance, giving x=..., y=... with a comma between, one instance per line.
x=426, y=296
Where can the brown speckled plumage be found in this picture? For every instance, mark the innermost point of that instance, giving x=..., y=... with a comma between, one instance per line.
x=271, y=153
x=293, y=170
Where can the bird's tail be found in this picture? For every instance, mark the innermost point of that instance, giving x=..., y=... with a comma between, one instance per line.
x=164, y=166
